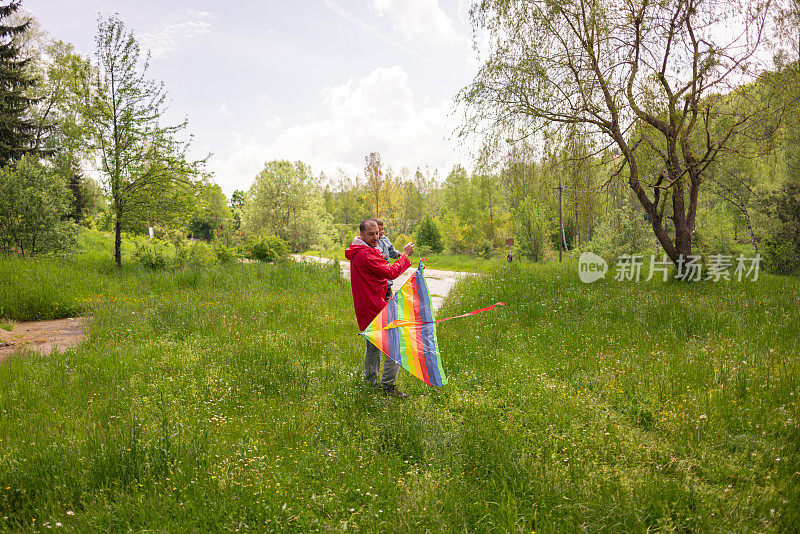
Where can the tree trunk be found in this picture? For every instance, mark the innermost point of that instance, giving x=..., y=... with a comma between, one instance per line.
x=750, y=228
x=118, y=241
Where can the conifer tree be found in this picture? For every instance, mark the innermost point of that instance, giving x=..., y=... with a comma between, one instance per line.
x=16, y=128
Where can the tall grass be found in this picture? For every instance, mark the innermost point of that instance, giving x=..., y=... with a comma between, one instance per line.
x=231, y=398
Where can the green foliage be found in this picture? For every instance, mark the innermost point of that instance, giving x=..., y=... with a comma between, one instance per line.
x=284, y=202
x=400, y=240
x=569, y=235
x=17, y=130
x=150, y=253
x=623, y=231
x=144, y=165
x=224, y=254
x=485, y=249
x=531, y=228
x=211, y=217
x=267, y=248
x=782, y=248
x=34, y=209
x=428, y=234
x=196, y=254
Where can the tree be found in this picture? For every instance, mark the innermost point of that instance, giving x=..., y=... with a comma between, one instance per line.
x=782, y=250
x=610, y=66
x=623, y=229
x=283, y=202
x=34, y=209
x=17, y=131
x=374, y=176
x=238, y=199
x=141, y=160
x=531, y=229
x=280, y=190
x=62, y=132
x=212, y=214
x=428, y=234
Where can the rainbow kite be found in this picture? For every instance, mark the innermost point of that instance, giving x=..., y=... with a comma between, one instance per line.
x=405, y=330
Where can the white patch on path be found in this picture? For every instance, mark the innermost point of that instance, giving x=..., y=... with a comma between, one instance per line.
x=439, y=282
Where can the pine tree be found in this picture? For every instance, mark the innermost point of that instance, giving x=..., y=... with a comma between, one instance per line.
x=428, y=234
x=17, y=131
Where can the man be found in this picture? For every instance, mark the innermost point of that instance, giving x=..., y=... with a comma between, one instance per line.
x=368, y=275
x=388, y=251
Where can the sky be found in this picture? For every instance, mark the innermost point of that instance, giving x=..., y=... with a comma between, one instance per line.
x=321, y=81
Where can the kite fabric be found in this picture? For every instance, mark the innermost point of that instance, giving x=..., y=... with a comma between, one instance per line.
x=405, y=330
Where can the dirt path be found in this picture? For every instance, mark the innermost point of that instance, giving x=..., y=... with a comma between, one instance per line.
x=44, y=336
x=439, y=282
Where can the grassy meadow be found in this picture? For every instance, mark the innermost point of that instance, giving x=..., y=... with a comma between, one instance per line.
x=231, y=398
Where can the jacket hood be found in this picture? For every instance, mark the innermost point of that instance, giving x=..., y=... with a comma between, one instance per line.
x=357, y=245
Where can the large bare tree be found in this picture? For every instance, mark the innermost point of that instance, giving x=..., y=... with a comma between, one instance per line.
x=644, y=76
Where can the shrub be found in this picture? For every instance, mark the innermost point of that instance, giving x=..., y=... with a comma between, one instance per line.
x=176, y=237
x=400, y=240
x=150, y=253
x=223, y=253
x=267, y=248
x=485, y=249
x=196, y=254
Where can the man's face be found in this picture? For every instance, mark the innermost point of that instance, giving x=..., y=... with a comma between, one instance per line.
x=370, y=235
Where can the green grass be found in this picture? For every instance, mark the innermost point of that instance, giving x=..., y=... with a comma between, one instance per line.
x=232, y=398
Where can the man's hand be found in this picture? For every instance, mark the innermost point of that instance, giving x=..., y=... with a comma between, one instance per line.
x=408, y=250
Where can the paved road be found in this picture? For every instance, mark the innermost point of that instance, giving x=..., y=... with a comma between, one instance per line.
x=439, y=282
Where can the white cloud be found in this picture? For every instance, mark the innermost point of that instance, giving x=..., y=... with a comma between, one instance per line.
x=171, y=37
x=377, y=113
x=419, y=20
x=223, y=110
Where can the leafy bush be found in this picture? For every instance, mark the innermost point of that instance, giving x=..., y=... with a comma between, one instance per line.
x=150, y=253
x=485, y=249
x=422, y=251
x=196, y=254
x=224, y=254
x=267, y=248
x=176, y=237
x=400, y=240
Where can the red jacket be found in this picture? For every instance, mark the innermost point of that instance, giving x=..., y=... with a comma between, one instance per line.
x=368, y=274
